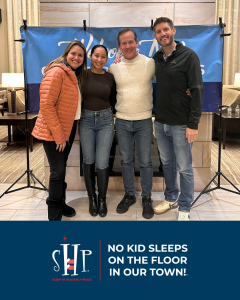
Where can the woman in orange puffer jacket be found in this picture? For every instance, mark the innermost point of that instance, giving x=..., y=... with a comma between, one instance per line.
x=56, y=125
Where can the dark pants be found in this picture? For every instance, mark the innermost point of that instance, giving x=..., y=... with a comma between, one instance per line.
x=58, y=162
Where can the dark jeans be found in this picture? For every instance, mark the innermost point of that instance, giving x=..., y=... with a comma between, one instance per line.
x=137, y=134
x=58, y=162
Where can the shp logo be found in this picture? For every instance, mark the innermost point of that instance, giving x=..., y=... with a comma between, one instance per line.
x=74, y=265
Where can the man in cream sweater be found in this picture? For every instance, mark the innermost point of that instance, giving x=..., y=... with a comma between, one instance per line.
x=133, y=76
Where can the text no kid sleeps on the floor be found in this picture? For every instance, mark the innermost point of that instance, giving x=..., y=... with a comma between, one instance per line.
x=157, y=265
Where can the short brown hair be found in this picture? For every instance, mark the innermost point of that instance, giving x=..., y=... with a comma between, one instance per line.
x=124, y=31
x=163, y=20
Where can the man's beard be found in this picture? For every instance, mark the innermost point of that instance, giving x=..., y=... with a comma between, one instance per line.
x=169, y=43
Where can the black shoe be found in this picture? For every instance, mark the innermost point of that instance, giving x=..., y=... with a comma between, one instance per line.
x=54, y=209
x=67, y=211
x=93, y=207
x=125, y=203
x=102, y=182
x=148, y=212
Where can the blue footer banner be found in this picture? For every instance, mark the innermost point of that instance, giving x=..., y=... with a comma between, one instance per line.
x=120, y=260
x=43, y=44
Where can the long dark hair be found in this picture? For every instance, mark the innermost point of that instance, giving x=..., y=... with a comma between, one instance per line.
x=81, y=72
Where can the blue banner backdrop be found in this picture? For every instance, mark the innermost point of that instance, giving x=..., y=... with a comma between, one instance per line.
x=43, y=44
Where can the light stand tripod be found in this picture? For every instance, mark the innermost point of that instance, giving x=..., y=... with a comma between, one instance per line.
x=218, y=173
x=28, y=171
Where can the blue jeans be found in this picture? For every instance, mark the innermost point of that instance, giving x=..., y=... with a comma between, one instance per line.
x=176, y=155
x=96, y=133
x=139, y=134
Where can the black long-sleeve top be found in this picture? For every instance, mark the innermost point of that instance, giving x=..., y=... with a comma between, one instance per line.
x=98, y=91
x=174, y=76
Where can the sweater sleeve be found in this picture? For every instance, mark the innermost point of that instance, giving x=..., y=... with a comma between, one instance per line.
x=50, y=89
x=113, y=96
x=195, y=85
x=153, y=70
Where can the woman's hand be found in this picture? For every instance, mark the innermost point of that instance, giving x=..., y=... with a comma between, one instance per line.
x=61, y=147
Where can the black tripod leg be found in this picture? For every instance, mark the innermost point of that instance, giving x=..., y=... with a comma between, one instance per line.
x=44, y=188
x=32, y=177
x=230, y=182
x=7, y=191
x=204, y=190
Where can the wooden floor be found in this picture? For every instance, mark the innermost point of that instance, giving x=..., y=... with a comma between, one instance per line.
x=30, y=204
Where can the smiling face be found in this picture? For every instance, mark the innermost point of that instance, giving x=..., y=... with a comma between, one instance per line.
x=98, y=58
x=164, y=34
x=128, y=45
x=75, y=57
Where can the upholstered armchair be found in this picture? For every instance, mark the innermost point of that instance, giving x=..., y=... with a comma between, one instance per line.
x=3, y=99
x=20, y=101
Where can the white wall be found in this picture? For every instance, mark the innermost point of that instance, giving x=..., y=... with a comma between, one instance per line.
x=128, y=13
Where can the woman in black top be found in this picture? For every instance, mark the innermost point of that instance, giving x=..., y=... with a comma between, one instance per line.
x=97, y=128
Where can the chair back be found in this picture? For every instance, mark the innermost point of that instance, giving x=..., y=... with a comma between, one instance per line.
x=3, y=97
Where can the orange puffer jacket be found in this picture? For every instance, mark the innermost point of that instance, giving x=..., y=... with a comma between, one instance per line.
x=58, y=105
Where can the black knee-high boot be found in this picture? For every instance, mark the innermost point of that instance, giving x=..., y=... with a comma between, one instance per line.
x=102, y=182
x=89, y=177
x=54, y=209
x=67, y=210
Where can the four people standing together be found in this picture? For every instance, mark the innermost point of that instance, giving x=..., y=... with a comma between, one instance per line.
x=176, y=68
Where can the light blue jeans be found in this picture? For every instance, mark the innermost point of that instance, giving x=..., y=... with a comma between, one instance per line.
x=176, y=156
x=137, y=134
x=96, y=133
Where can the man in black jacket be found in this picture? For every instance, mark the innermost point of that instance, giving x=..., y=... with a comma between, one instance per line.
x=176, y=115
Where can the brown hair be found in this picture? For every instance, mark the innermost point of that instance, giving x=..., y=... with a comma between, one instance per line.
x=124, y=31
x=163, y=20
x=81, y=72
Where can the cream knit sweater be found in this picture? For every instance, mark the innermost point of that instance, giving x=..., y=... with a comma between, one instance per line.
x=134, y=87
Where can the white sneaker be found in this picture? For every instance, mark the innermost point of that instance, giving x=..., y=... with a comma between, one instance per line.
x=183, y=216
x=164, y=207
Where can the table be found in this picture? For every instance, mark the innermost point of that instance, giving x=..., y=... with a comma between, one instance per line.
x=226, y=121
x=18, y=120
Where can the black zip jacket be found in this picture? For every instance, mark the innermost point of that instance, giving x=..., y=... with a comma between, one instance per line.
x=174, y=76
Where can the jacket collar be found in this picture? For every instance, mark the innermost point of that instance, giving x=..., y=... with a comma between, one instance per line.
x=68, y=70
x=160, y=52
